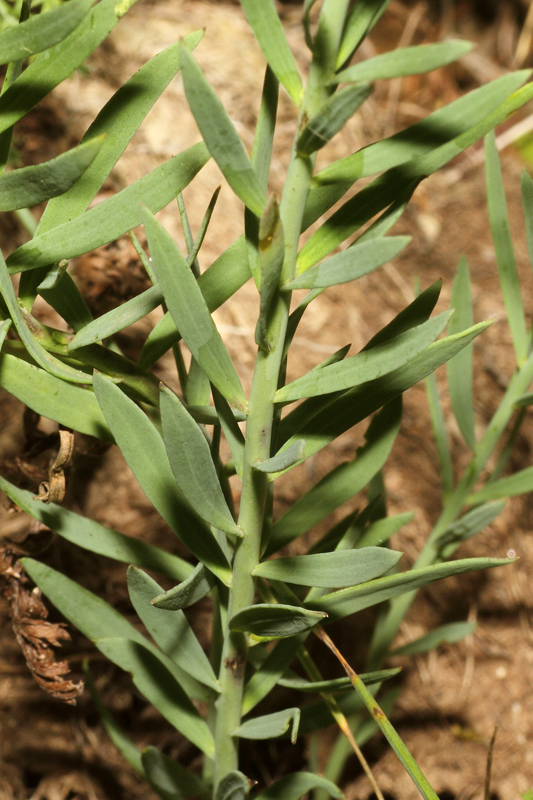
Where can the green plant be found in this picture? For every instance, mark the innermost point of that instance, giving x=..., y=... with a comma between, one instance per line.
x=264, y=608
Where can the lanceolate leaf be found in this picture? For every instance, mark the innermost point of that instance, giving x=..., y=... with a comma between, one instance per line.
x=349, y=601
x=503, y=245
x=271, y=670
x=337, y=569
x=519, y=483
x=220, y=135
x=146, y=456
x=51, y=67
x=274, y=620
x=97, y=538
x=188, y=592
x=343, y=482
x=170, y=779
x=283, y=461
x=122, y=114
x=271, y=725
x=270, y=257
x=298, y=684
x=266, y=25
x=28, y=186
x=350, y=264
x=326, y=420
x=157, y=684
x=451, y=633
x=114, y=216
x=190, y=312
x=192, y=464
x=467, y=526
x=171, y=632
x=331, y=118
x=361, y=19
x=527, y=204
x=42, y=32
x=294, y=786
x=404, y=61
x=460, y=367
x=366, y=366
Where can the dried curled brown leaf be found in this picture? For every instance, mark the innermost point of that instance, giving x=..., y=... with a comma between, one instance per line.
x=35, y=635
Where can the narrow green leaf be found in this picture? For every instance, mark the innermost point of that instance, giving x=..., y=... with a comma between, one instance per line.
x=271, y=670
x=266, y=25
x=298, y=684
x=172, y=634
x=271, y=253
x=97, y=538
x=367, y=365
x=416, y=313
x=232, y=432
x=114, y=216
x=441, y=126
x=404, y=61
x=296, y=785
x=503, y=245
x=351, y=264
x=334, y=113
x=349, y=601
x=360, y=21
x=519, y=483
x=467, y=526
x=220, y=135
x=160, y=688
x=450, y=633
x=50, y=68
x=274, y=620
x=270, y=726
x=42, y=32
x=384, y=190
x=192, y=465
x=28, y=186
x=438, y=423
x=190, y=313
x=233, y=786
x=283, y=461
x=321, y=422
x=146, y=456
x=381, y=530
x=194, y=588
x=524, y=400
x=460, y=368
x=337, y=569
x=122, y=114
x=170, y=779
x=527, y=205
x=52, y=397
x=4, y=327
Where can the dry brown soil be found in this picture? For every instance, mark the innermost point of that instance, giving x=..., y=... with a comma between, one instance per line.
x=452, y=698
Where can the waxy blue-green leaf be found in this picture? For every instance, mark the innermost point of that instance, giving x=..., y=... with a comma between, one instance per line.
x=343, y=482
x=271, y=253
x=192, y=465
x=441, y=126
x=4, y=327
x=271, y=670
x=233, y=786
x=325, y=420
x=283, y=461
x=519, y=483
x=337, y=569
x=97, y=538
x=413, y=315
x=170, y=779
x=445, y=634
x=467, y=526
x=296, y=785
x=145, y=453
x=527, y=205
x=172, y=633
x=42, y=32
x=52, y=397
x=271, y=726
x=274, y=620
x=503, y=246
x=122, y=115
x=350, y=264
x=22, y=188
x=220, y=135
x=190, y=312
x=381, y=530
x=442, y=443
x=404, y=61
x=297, y=684
x=383, y=190
x=194, y=588
x=95, y=618
x=161, y=689
x=367, y=365
x=460, y=368
x=348, y=601
x=361, y=19
x=50, y=68
x=114, y=216
x=266, y=25
x=232, y=432
x=332, y=116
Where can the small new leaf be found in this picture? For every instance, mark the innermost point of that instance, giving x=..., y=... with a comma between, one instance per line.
x=275, y=621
